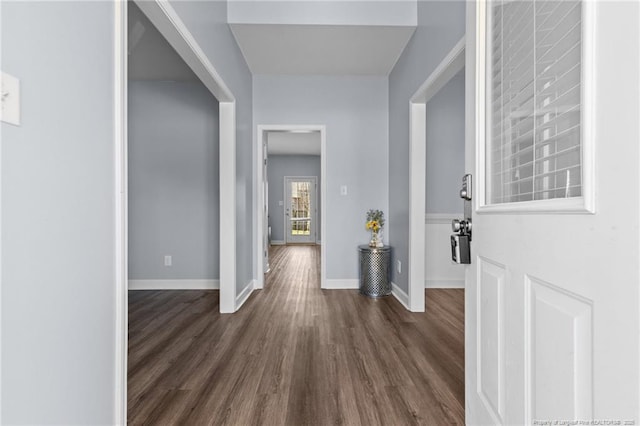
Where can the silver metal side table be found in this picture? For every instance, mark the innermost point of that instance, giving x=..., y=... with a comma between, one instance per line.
x=375, y=270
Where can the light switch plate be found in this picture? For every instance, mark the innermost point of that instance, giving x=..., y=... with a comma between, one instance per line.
x=343, y=190
x=10, y=93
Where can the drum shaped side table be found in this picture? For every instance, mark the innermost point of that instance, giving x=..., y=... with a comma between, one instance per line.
x=375, y=270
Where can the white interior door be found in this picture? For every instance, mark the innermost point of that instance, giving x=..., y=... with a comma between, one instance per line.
x=552, y=300
x=300, y=210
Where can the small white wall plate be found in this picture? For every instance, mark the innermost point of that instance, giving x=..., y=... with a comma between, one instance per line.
x=10, y=93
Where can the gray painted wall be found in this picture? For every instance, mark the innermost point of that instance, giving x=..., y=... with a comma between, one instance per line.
x=278, y=167
x=440, y=25
x=151, y=57
x=445, y=148
x=58, y=215
x=173, y=181
x=355, y=111
x=207, y=21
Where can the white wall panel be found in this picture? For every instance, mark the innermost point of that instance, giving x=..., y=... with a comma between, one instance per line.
x=440, y=271
x=491, y=334
x=560, y=339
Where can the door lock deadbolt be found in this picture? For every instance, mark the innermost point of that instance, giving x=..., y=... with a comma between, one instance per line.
x=465, y=192
x=460, y=247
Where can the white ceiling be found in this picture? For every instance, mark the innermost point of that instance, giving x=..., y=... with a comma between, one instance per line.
x=292, y=143
x=151, y=57
x=276, y=49
x=321, y=49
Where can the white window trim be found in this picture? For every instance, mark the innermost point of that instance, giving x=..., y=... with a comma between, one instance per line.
x=575, y=205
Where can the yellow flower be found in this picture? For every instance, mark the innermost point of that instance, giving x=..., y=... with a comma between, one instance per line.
x=373, y=225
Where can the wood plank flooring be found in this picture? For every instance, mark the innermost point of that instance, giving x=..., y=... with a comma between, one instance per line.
x=295, y=355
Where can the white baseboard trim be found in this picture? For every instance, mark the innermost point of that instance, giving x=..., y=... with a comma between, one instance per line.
x=245, y=293
x=400, y=295
x=277, y=243
x=345, y=284
x=444, y=284
x=174, y=284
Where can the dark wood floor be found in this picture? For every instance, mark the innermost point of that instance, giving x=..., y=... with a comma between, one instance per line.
x=295, y=355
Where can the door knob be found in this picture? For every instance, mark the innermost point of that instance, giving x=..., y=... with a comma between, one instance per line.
x=463, y=227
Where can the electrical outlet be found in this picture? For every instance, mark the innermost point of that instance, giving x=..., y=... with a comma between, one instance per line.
x=399, y=267
x=167, y=261
x=10, y=95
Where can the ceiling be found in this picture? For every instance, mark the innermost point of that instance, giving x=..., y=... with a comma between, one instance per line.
x=293, y=143
x=321, y=49
x=151, y=57
x=276, y=49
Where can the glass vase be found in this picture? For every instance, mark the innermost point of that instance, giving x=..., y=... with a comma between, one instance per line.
x=374, y=239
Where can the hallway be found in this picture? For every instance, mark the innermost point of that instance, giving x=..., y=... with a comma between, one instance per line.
x=295, y=354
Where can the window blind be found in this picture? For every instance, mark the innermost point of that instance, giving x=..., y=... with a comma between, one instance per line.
x=534, y=94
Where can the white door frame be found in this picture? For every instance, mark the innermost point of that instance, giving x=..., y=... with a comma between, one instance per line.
x=262, y=130
x=120, y=187
x=169, y=24
x=314, y=209
x=449, y=67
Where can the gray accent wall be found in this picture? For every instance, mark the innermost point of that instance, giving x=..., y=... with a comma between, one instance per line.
x=207, y=22
x=445, y=148
x=355, y=112
x=278, y=167
x=441, y=24
x=174, y=192
x=58, y=215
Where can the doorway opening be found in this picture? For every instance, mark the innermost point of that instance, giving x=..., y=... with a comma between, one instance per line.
x=445, y=165
x=300, y=209
x=173, y=167
x=450, y=66
x=291, y=190
x=165, y=20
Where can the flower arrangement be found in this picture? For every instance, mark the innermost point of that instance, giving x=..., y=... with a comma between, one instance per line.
x=375, y=222
x=373, y=225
